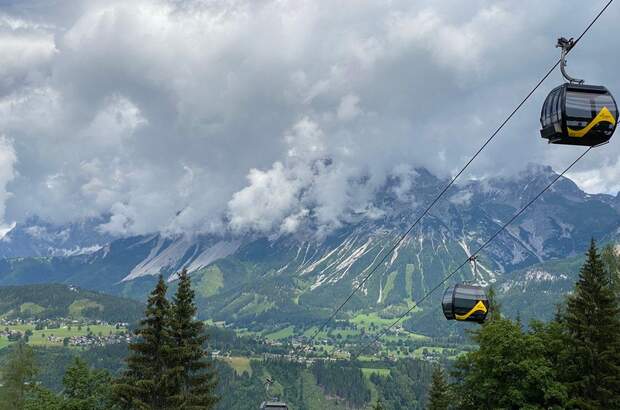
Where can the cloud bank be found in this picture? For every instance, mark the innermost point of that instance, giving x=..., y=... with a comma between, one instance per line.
x=270, y=116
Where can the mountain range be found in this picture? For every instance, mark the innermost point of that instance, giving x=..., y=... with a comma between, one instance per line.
x=262, y=279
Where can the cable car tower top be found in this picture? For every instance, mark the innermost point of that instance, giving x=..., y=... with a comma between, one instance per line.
x=274, y=404
x=566, y=46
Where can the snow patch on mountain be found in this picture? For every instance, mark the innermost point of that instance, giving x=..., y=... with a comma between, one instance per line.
x=218, y=251
x=539, y=275
x=84, y=250
x=183, y=252
x=35, y=237
x=535, y=275
x=159, y=258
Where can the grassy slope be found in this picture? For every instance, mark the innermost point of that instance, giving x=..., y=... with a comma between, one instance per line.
x=30, y=308
x=389, y=285
x=240, y=364
x=314, y=396
x=381, y=372
x=282, y=333
x=76, y=308
x=208, y=281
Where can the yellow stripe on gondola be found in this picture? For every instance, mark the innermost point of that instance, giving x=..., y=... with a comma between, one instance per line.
x=604, y=115
x=478, y=308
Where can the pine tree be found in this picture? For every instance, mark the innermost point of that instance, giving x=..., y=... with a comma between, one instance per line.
x=593, y=321
x=611, y=259
x=18, y=377
x=378, y=405
x=495, y=308
x=86, y=389
x=146, y=384
x=439, y=397
x=76, y=379
x=192, y=375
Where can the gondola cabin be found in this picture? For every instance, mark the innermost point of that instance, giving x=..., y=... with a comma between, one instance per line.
x=468, y=303
x=273, y=405
x=578, y=114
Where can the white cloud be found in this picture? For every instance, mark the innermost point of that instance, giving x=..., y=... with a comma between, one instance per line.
x=461, y=198
x=349, y=107
x=274, y=115
x=603, y=179
x=8, y=158
x=26, y=50
x=267, y=200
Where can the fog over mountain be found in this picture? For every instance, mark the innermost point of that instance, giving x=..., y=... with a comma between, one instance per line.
x=296, y=276
x=272, y=117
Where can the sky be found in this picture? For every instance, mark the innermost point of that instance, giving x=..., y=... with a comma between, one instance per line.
x=270, y=115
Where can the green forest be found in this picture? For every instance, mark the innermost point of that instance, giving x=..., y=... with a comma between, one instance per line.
x=570, y=362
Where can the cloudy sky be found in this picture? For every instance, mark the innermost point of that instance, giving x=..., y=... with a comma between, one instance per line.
x=263, y=114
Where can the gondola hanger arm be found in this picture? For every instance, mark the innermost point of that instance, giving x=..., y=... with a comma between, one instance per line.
x=566, y=46
x=473, y=259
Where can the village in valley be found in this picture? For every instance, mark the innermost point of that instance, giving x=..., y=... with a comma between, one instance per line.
x=63, y=332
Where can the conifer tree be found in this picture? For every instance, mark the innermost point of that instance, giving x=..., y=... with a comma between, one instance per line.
x=193, y=379
x=512, y=369
x=17, y=377
x=85, y=388
x=146, y=384
x=39, y=398
x=593, y=321
x=439, y=396
x=611, y=259
x=495, y=308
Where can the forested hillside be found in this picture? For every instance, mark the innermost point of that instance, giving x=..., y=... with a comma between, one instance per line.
x=52, y=301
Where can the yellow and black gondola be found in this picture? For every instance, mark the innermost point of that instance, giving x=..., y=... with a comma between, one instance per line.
x=466, y=303
x=575, y=113
x=578, y=114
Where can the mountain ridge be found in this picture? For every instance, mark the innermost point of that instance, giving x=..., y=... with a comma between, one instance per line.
x=300, y=277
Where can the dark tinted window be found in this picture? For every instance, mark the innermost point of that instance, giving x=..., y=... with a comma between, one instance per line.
x=545, y=111
x=474, y=293
x=551, y=107
x=556, y=114
x=447, y=296
x=558, y=105
x=582, y=107
x=461, y=303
